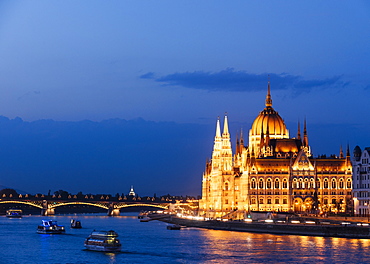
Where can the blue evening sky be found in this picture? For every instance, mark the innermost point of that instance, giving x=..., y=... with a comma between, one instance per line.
x=189, y=62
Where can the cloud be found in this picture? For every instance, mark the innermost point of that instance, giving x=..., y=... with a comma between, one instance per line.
x=148, y=75
x=242, y=81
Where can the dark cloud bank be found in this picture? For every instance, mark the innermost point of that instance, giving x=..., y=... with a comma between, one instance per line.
x=241, y=81
x=109, y=156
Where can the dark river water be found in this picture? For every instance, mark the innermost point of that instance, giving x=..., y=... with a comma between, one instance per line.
x=152, y=243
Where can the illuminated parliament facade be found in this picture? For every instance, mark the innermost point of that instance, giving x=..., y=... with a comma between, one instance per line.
x=274, y=172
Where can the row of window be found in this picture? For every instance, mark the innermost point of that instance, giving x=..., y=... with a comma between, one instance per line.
x=298, y=184
x=269, y=201
x=285, y=201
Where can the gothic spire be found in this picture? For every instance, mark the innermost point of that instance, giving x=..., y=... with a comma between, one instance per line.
x=348, y=153
x=241, y=138
x=218, y=129
x=299, y=131
x=267, y=142
x=341, y=156
x=305, y=137
x=268, y=96
x=262, y=142
x=226, y=126
x=237, y=144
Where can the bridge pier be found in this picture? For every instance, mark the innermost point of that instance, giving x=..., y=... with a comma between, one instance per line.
x=113, y=211
x=46, y=210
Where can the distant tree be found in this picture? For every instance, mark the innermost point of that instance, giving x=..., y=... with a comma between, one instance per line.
x=63, y=194
x=8, y=191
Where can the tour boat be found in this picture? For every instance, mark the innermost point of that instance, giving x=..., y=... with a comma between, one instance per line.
x=50, y=227
x=14, y=213
x=103, y=241
x=76, y=223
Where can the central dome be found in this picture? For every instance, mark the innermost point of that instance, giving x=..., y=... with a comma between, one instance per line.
x=267, y=122
x=269, y=119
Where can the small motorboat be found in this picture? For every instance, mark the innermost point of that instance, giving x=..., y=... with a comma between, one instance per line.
x=142, y=215
x=14, y=213
x=103, y=241
x=173, y=227
x=76, y=223
x=50, y=227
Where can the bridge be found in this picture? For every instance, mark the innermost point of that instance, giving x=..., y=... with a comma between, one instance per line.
x=48, y=204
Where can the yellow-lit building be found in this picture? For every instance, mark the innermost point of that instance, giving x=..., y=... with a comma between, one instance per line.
x=273, y=173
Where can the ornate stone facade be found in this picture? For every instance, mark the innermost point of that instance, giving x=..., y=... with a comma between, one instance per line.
x=274, y=173
x=361, y=181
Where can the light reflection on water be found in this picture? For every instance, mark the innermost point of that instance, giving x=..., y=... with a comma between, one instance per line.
x=153, y=243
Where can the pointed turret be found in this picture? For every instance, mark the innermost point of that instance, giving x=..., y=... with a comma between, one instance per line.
x=267, y=141
x=262, y=142
x=226, y=126
x=218, y=128
x=348, y=160
x=237, y=144
x=241, y=139
x=348, y=154
x=217, y=147
x=341, y=156
x=226, y=152
x=305, y=137
x=299, y=131
x=268, y=96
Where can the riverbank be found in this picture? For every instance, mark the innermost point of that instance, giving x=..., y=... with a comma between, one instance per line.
x=324, y=227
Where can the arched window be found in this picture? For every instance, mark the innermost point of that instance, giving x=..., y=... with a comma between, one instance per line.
x=294, y=184
x=226, y=186
x=253, y=184
x=326, y=183
x=277, y=184
x=318, y=183
x=285, y=184
x=268, y=184
x=306, y=185
x=260, y=184
x=341, y=183
x=300, y=182
x=333, y=184
x=312, y=184
x=349, y=184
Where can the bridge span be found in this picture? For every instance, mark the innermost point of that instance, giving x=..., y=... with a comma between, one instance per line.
x=113, y=207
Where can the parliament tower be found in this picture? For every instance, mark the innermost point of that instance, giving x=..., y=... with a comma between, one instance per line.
x=273, y=173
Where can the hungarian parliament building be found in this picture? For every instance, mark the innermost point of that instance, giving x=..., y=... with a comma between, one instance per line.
x=275, y=172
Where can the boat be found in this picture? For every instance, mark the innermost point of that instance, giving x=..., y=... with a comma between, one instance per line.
x=174, y=227
x=76, y=223
x=14, y=213
x=50, y=227
x=103, y=241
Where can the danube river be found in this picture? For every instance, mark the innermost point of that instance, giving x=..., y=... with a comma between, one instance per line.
x=152, y=243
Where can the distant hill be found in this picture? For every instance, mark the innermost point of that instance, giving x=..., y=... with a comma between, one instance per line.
x=18, y=191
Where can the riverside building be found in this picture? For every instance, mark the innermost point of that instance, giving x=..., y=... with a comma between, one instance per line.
x=273, y=173
x=361, y=181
